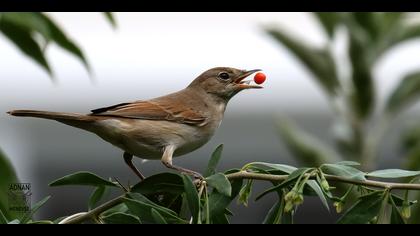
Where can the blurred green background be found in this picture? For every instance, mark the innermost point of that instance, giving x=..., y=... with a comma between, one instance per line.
x=341, y=86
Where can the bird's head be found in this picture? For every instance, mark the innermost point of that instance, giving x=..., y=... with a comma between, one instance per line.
x=223, y=82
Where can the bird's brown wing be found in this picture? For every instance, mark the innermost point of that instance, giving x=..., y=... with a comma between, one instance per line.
x=154, y=110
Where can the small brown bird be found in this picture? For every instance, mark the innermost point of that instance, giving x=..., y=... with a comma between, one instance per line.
x=163, y=127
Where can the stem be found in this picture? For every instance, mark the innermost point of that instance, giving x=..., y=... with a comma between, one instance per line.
x=92, y=214
x=370, y=183
x=95, y=212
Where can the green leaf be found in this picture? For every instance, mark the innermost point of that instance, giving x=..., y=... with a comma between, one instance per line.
x=274, y=214
x=41, y=222
x=290, y=179
x=329, y=21
x=364, y=210
x=348, y=163
x=283, y=168
x=393, y=173
x=59, y=37
x=384, y=216
x=160, y=183
x=214, y=160
x=318, y=61
x=220, y=183
x=314, y=186
x=34, y=209
x=396, y=217
x=3, y=219
x=368, y=22
x=143, y=210
x=158, y=217
x=219, y=202
x=245, y=193
x=96, y=196
x=110, y=17
x=399, y=201
x=407, y=91
x=120, y=208
x=14, y=222
x=121, y=218
x=307, y=149
x=363, y=93
x=24, y=41
x=192, y=198
x=344, y=171
x=8, y=176
x=82, y=178
x=142, y=198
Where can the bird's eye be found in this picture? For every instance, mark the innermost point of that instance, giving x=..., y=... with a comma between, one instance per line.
x=224, y=76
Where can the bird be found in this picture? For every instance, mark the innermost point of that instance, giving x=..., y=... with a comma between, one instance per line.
x=164, y=127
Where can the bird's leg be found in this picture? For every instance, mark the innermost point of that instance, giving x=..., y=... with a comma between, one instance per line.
x=128, y=158
x=167, y=161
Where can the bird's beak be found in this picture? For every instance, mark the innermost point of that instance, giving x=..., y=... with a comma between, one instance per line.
x=241, y=84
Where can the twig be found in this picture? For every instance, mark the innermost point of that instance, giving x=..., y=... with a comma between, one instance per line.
x=370, y=183
x=81, y=217
x=95, y=212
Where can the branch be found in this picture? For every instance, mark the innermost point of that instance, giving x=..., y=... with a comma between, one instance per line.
x=92, y=214
x=370, y=183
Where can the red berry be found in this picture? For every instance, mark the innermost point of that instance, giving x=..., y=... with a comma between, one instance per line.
x=259, y=78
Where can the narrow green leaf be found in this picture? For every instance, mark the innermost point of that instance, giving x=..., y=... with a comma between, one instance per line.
x=308, y=150
x=14, y=222
x=214, y=160
x=407, y=91
x=363, y=92
x=41, y=222
x=24, y=41
x=192, y=198
x=274, y=214
x=399, y=201
x=396, y=217
x=393, y=173
x=121, y=218
x=82, y=178
x=110, y=17
x=3, y=219
x=348, y=163
x=290, y=179
x=329, y=21
x=220, y=183
x=141, y=198
x=318, y=61
x=344, y=171
x=219, y=202
x=364, y=210
x=314, y=186
x=96, y=196
x=120, y=208
x=369, y=22
x=384, y=216
x=34, y=209
x=158, y=217
x=245, y=193
x=63, y=41
x=283, y=168
x=160, y=183
x=144, y=211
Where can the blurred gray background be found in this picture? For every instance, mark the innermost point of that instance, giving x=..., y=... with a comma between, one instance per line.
x=151, y=54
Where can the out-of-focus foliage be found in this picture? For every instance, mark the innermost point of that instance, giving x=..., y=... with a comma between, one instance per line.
x=353, y=97
x=32, y=32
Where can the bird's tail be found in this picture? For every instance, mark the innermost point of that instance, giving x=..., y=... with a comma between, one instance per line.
x=72, y=119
